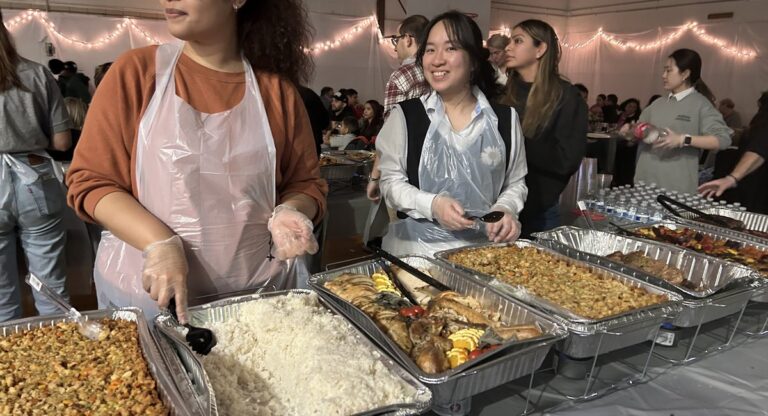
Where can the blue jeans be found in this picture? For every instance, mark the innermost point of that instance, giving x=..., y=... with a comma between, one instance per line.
x=32, y=213
x=543, y=220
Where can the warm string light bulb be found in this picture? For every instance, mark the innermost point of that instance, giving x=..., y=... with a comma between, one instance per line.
x=654, y=45
x=42, y=18
x=320, y=47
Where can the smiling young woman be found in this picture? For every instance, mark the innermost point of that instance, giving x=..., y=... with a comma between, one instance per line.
x=198, y=157
x=451, y=154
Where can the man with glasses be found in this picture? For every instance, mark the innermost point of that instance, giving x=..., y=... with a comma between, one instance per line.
x=407, y=81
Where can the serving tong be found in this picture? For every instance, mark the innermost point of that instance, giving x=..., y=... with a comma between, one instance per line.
x=666, y=202
x=89, y=329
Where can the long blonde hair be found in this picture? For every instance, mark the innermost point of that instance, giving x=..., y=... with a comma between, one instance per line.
x=546, y=90
x=76, y=108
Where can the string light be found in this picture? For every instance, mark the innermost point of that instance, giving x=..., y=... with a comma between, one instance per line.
x=350, y=34
x=42, y=18
x=130, y=24
x=657, y=44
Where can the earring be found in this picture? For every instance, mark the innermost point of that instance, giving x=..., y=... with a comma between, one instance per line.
x=235, y=6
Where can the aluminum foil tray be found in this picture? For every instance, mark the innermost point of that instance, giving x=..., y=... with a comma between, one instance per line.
x=714, y=232
x=165, y=387
x=516, y=360
x=709, y=273
x=193, y=374
x=586, y=335
x=751, y=220
x=736, y=283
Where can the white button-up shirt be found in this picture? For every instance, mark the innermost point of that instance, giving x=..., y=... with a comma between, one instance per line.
x=392, y=147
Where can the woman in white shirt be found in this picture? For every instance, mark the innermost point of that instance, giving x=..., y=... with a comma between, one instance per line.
x=450, y=154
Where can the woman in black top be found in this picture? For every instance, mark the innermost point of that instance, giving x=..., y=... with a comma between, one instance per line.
x=746, y=182
x=554, y=120
x=626, y=153
x=373, y=119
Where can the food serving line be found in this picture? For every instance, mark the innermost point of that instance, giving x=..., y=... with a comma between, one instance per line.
x=652, y=316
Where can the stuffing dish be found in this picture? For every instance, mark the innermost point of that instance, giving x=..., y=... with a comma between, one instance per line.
x=445, y=329
x=571, y=286
x=717, y=247
x=56, y=370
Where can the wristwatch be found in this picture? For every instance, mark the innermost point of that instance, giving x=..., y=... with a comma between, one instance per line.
x=687, y=140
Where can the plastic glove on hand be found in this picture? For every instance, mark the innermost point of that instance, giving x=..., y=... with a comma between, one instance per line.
x=450, y=214
x=164, y=275
x=505, y=230
x=291, y=233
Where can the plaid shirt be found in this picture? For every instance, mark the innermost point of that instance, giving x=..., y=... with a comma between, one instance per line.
x=405, y=83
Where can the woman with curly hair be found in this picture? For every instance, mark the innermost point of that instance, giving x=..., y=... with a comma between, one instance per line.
x=373, y=119
x=198, y=158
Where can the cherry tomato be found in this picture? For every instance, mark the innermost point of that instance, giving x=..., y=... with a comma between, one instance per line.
x=412, y=312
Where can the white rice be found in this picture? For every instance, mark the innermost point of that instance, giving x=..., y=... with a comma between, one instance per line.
x=288, y=355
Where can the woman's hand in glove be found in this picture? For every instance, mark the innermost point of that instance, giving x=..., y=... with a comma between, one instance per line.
x=165, y=274
x=505, y=230
x=449, y=213
x=291, y=233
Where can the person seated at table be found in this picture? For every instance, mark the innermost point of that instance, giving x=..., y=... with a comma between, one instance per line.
x=450, y=153
x=611, y=109
x=373, y=119
x=626, y=152
x=596, y=111
x=346, y=132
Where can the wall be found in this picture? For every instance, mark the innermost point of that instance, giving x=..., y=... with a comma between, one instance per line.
x=607, y=69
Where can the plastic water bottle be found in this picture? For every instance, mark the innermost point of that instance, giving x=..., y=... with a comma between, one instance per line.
x=647, y=133
x=631, y=210
x=642, y=215
x=600, y=201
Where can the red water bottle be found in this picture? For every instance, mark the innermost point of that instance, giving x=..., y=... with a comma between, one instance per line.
x=648, y=133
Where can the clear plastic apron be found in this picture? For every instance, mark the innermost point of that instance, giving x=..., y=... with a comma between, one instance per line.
x=470, y=168
x=210, y=178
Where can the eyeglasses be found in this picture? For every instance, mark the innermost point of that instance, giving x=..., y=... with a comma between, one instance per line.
x=395, y=38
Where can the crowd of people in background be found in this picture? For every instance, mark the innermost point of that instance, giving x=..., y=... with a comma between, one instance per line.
x=503, y=128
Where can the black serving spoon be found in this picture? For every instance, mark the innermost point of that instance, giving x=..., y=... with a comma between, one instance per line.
x=491, y=217
x=201, y=340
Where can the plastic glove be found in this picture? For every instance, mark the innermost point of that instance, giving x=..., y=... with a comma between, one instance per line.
x=717, y=187
x=449, y=213
x=291, y=233
x=505, y=230
x=165, y=274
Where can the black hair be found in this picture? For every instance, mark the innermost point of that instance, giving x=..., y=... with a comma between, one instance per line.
x=613, y=97
x=653, y=98
x=351, y=124
x=70, y=66
x=601, y=96
x=350, y=91
x=465, y=34
x=56, y=66
x=414, y=26
x=623, y=105
x=324, y=90
x=582, y=88
x=257, y=32
x=9, y=60
x=761, y=118
x=688, y=59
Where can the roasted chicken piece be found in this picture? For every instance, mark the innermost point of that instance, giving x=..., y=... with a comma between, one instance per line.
x=430, y=355
x=654, y=267
x=517, y=332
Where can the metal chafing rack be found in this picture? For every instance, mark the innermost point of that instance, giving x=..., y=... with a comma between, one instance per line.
x=724, y=287
x=518, y=359
x=760, y=294
x=751, y=220
x=193, y=381
x=165, y=387
x=587, y=336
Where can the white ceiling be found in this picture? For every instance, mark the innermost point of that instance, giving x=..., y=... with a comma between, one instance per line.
x=582, y=7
